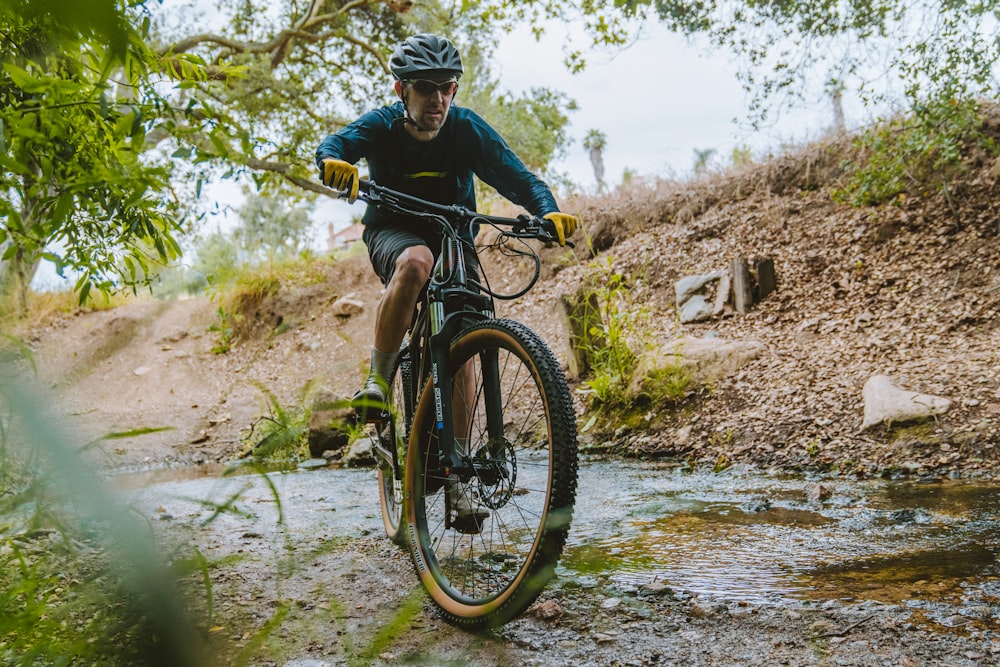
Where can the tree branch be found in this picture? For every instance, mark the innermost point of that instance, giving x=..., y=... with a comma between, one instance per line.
x=285, y=170
x=282, y=42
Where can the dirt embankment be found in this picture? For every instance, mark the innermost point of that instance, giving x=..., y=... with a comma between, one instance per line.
x=910, y=289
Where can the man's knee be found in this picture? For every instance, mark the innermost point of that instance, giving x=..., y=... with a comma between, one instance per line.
x=415, y=264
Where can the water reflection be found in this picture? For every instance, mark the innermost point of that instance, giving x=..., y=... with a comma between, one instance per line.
x=733, y=535
x=746, y=537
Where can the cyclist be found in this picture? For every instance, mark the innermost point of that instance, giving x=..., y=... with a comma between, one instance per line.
x=425, y=146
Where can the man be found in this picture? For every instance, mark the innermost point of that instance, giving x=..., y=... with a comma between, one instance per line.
x=424, y=146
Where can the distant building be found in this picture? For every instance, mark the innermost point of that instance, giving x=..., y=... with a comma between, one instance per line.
x=345, y=237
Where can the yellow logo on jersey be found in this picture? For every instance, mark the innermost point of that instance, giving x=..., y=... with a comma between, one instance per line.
x=428, y=174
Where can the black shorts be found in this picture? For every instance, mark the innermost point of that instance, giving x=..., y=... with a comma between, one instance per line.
x=386, y=244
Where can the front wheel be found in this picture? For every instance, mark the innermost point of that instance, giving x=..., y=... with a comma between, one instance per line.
x=486, y=541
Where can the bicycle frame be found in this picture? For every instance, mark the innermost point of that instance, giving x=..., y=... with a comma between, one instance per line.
x=450, y=300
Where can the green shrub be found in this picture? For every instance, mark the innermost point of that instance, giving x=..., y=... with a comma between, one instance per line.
x=613, y=327
x=912, y=154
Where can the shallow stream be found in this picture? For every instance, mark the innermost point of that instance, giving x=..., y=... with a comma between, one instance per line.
x=735, y=536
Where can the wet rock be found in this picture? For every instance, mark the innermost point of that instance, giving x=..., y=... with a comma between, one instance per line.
x=756, y=506
x=657, y=588
x=818, y=493
x=887, y=402
x=313, y=464
x=704, y=609
x=360, y=453
x=908, y=515
x=548, y=610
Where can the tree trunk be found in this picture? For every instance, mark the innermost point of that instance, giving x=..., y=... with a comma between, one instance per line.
x=17, y=272
x=16, y=275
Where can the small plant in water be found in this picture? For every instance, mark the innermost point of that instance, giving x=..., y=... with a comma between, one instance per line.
x=281, y=435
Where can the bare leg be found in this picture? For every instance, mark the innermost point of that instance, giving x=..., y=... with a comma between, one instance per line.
x=413, y=268
x=463, y=405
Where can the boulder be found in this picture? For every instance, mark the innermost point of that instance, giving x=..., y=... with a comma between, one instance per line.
x=348, y=305
x=687, y=287
x=703, y=360
x=331, y=423
x=887, y=402
x=360, y=452
x=695, y=309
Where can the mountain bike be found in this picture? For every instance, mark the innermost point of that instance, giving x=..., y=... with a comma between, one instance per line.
x=495, y=383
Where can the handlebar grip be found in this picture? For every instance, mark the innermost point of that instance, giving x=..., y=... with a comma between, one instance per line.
x=551, y=236
x=363, y=188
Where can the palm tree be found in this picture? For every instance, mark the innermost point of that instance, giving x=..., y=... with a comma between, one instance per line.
x=594, y=143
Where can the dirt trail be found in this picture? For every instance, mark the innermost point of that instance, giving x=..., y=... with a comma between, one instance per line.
x=147, y=374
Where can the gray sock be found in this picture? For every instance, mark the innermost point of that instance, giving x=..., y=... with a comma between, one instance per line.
x=383, y=363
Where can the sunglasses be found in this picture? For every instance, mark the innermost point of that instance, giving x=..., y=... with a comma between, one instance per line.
x=426, y=87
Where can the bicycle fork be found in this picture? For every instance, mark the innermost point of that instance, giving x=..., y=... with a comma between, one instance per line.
x=450, y=384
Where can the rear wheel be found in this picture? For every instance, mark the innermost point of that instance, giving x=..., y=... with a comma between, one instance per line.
x=393, y=433
x=520, y=477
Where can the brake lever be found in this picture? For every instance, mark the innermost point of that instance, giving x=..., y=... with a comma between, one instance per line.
x=550, y=236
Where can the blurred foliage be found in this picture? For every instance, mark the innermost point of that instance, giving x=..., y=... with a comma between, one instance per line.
x=81, y=580
x=77, y=98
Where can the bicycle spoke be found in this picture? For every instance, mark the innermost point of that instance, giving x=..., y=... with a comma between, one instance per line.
x=495, y=568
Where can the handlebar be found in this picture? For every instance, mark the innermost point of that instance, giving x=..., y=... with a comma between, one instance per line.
x=523, y=226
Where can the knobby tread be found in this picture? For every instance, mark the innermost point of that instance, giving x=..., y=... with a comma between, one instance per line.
x=563, y=452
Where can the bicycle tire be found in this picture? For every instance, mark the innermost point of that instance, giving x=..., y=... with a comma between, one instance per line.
x=488, y=578
x=394, y=432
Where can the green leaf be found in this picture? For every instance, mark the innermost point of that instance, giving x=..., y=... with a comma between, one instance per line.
x=84, y=290
x=21, y=78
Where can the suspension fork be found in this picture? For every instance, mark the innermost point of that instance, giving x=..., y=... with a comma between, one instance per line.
x=446, y=317
x=490, y=362
x=449, y=267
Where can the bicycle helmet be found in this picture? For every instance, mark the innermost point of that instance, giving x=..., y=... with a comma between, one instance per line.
x=425, y=55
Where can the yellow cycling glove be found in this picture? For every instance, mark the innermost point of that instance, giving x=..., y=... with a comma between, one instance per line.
x=342, y=176
x=564, y=223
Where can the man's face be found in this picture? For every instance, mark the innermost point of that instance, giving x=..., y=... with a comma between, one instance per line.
x=429, y=100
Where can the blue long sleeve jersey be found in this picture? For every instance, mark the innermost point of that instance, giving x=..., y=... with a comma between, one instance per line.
x=440, y=170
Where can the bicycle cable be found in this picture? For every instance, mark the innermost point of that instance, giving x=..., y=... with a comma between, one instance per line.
x=503, y=245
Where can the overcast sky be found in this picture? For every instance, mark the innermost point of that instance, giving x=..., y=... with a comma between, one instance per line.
x=657, y=101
